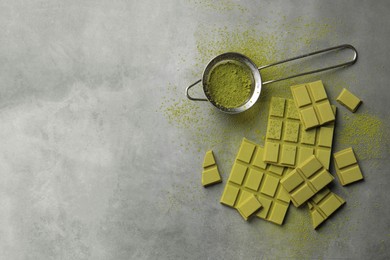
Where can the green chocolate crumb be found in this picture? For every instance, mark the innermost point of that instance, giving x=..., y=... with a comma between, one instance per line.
x=229, y=85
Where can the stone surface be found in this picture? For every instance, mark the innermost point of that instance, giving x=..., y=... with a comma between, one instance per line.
x=90, y=167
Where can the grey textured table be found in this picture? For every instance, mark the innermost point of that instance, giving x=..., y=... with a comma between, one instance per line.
x=101, y=153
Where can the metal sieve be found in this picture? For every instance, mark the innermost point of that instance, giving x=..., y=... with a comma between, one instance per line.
x=256, y=77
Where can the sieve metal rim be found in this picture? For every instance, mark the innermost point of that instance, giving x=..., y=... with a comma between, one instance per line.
x=243, y=60
x=331, y=49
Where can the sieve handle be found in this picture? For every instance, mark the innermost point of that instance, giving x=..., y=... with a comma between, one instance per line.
x=340, y=47
x=192, y=98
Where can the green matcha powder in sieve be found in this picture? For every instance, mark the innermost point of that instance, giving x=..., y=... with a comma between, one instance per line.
x=229, y=85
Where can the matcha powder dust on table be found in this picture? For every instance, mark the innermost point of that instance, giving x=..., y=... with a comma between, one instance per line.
x=229, y=85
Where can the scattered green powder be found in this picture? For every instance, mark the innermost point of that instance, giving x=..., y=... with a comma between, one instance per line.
x=366, y=133
x=229, y=85
x=182, y=109
x=219, y=5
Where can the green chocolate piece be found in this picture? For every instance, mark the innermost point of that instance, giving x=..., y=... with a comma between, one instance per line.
x=210, y=174
x=349, y=100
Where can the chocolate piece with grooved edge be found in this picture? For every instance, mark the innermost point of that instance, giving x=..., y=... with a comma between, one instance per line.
x=313, y=104
x=248, y=207
x=288, y=143
x=347, y=167
x=306, y=180
x=349, y=100
x=322, y=205
x=250, y=175
x=210, y=174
